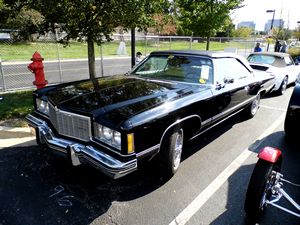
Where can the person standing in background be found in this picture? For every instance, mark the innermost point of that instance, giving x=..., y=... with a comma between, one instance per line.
x=257, y=47
x=277, y=46
x=283, y=47
x=138, y=57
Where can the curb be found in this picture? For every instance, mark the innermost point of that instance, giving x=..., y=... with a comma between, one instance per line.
x=15, y=132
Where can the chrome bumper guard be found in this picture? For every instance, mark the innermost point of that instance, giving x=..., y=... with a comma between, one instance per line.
x=80, y=153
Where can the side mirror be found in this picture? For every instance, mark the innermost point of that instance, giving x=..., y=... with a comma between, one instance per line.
x=219, y=86
x=296, y=62
x=228, y=80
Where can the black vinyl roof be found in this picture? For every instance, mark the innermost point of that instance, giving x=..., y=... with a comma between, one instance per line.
x=212, y=54
x=277, y=54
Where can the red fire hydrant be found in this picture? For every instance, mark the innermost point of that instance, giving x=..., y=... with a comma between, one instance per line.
x=37, y=68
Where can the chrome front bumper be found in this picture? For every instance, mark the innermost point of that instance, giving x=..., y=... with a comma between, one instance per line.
x=79, y=153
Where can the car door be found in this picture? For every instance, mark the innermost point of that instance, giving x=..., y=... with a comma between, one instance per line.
x=232, y=81
x=292, y=69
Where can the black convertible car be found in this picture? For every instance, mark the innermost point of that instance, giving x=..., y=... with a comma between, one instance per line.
x=170, y=97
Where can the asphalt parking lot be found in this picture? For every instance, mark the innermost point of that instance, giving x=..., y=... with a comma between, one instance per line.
x=40, y=188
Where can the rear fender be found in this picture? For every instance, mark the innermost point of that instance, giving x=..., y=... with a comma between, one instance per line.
x=269, y=154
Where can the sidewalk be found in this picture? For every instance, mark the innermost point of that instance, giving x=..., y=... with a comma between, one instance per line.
x=10, y=136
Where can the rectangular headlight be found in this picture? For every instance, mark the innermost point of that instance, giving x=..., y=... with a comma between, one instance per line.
x=107, y=135
x=42, y=106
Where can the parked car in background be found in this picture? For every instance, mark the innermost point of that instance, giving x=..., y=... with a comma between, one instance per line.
x=170, y=97
x=280, y=64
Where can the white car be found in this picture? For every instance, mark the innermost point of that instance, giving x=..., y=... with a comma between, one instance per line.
x=281, y=65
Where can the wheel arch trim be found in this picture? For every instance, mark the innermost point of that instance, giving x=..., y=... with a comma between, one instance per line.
x=177, y=122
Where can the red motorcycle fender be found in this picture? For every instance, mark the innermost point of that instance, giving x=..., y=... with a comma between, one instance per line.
x=269, y=154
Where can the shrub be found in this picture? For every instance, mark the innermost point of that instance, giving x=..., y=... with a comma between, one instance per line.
x=294, y=52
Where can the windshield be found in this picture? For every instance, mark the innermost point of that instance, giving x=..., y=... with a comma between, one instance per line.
x=265, y=59
x=190, y=69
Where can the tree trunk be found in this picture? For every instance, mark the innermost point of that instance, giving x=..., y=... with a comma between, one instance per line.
x=91, y=58
x=207, y=43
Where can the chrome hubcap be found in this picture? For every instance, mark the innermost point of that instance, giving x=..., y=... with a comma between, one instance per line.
x=178, y=149
x=284, y=85
x=255, y=105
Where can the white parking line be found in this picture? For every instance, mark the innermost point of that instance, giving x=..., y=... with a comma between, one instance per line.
x=202, y=198
x=272, y=108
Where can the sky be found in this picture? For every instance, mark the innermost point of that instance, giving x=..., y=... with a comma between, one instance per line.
x=255, y=10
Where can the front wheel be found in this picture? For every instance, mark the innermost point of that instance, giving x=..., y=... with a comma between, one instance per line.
x=171, y=154
x=259, y=188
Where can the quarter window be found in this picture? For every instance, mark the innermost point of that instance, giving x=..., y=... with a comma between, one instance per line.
x=229, y=68
x=288, y=61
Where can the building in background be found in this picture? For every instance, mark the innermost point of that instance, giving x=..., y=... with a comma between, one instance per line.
x=277, y=23
x=249, y=24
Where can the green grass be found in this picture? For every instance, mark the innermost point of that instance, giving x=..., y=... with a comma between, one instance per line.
x=76, y=50
x=16, y=105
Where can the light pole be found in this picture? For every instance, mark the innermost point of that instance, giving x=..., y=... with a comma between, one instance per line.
x=271, y=11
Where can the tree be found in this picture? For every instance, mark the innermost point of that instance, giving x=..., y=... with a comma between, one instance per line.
x=16, y=15
x=227, y=29
x=205, y=17
x=296, y=34
x=165, y=24
x=281, y=33
x=94, y=20
x=4, y=12
x=27, y=22
x=243, y=32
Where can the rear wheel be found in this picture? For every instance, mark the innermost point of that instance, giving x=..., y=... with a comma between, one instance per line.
x=259, y=188
x=171, y=154
x=283, y=86
x=251, y=110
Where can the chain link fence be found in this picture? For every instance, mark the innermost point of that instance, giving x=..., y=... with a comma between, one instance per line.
x=69, y=63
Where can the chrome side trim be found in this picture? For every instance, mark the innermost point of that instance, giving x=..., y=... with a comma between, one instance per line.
x=221, y=114
x=234, y=108
x=80, y=153
x=205, y=122
x=144, y=153
x=208, y=128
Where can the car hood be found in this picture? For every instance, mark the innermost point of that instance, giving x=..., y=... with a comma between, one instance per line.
x=260, y=66
x=277, y=71
x=116, y=99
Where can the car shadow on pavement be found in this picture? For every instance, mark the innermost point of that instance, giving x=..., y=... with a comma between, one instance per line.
x=40, y=188
x=238, y=184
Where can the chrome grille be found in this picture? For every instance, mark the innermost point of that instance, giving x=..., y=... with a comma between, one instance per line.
x=52, y=115
x=70, y=124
